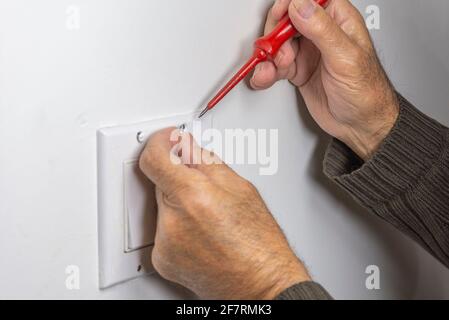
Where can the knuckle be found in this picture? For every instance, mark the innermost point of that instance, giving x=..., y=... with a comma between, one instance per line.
x=359, y=56
x=145, y=160
x=182, y=187
x=187, y=189
x=198, y=199
x=156, y=256
x=271, y=12
x=201, y=203
x=283, y=59
x=356, y=15
x=358, y=60
x=168, y=225
x=248, y=185
x=248, y=188
x=163, y=256
x=323, y=27
x=159, y=263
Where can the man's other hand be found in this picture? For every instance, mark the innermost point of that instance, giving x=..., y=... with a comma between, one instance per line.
x=215, y=234
x=337, y=71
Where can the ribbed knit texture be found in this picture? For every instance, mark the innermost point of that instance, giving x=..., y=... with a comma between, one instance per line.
x=305, y=291
x=406, y=182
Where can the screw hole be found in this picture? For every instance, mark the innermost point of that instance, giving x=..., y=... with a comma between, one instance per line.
x=182, y=127
x=140, y=137
x=139, y=268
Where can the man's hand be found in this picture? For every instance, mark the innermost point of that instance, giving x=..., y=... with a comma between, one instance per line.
x=215, y=235
x=337, y=71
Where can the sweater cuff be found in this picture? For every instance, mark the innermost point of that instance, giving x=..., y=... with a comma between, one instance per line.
x=411, y=149
x=305, y=291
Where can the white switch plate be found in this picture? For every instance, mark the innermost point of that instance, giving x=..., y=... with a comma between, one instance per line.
x=124, y=248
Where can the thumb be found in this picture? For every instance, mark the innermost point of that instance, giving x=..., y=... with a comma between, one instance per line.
x=313, y=22
x=161, y=163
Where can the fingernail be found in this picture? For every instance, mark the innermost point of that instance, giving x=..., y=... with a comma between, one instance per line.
x=257, y=69
x=279, y=58
x=305, y=8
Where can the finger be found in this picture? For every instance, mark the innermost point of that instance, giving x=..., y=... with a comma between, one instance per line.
x=212, y=166
x=265, y=75
x=276, y=13
x=306, y=63
x=313, y=22
x=286, y=55
x=161, y=163
x=288, y=70
x=350, y=21
x=219, y=173
x=196, y=157
x=209, y=164
x=164, y=206
x=203, y=160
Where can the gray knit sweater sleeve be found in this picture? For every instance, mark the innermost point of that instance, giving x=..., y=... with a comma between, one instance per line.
x=308, y=290
x=406, y=183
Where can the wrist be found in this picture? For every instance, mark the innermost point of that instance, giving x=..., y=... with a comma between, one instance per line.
x=275, y=282
x=286, y=282
x=366, y=141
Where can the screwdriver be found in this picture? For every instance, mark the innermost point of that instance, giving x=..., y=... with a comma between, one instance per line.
x=265, y=49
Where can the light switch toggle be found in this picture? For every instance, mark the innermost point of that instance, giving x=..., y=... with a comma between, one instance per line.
x=140, y=208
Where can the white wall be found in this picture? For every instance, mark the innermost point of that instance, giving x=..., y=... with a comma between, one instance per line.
x=130, y=62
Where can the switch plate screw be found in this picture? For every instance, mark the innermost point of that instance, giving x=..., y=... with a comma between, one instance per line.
x=139, y=137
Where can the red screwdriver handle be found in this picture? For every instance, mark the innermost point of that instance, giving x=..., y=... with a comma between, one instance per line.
x=284, y=31
x=271, y=43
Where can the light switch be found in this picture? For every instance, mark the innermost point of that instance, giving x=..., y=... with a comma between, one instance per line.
x=140, y=208
x=127, y=214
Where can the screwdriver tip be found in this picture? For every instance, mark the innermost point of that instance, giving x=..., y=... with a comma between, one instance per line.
x=203, y=113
